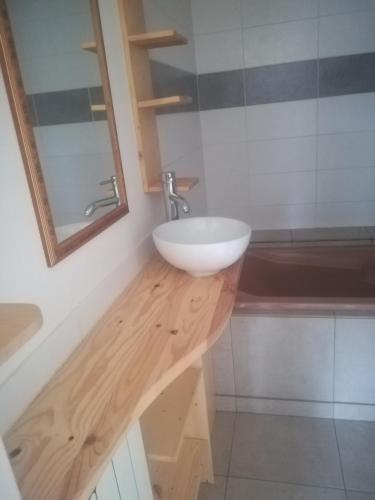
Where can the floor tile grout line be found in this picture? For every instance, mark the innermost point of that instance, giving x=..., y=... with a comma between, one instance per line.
x=230, y=456
x=340, y=458
x=251, y=478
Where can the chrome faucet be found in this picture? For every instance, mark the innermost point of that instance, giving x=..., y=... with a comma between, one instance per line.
x=105, y=202
x=172, y=199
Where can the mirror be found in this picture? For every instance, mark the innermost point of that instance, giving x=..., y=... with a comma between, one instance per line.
x=54, y=65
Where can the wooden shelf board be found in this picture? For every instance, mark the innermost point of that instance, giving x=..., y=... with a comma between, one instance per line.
x=161, y=102
x=179, y=480
x=184, y=184
x=89, y=46
x=152, y=40
x=164, y=421
x=18, y=322
x=161, y=324
x=98, y=107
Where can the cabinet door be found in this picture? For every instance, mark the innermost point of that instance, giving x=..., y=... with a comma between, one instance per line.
x=107, y=488
x=123, y=467
x=139, y=462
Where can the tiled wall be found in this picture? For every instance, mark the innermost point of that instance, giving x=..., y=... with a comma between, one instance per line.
x=287, y=99
x=62, y=81
x=307, y=366
x=174, y=72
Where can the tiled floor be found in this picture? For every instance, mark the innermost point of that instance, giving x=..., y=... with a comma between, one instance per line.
x=266, y=457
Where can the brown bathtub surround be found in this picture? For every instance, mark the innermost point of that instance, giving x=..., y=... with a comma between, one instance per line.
x=271, y=236
x=316, y=280
x=330, y=234
x=326, y=236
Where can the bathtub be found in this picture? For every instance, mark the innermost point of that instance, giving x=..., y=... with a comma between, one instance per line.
x=308, y=280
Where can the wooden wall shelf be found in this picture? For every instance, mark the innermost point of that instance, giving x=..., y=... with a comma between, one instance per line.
x=98, y=107
x=136, y=39
x=89, y=46
x=157, y=39
x=184, y=184
x=163, y=423
x=162, y=102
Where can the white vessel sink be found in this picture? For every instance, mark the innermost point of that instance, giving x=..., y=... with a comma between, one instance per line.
x=202, y=245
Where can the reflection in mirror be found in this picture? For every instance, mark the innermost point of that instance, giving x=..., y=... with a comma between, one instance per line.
x=62, y=62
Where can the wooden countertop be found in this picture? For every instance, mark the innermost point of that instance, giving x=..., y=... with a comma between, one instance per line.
x=157, y=328
x=18, y=322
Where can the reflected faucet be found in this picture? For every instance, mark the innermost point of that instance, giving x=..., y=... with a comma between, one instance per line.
x=105, y=202
x=172, y=199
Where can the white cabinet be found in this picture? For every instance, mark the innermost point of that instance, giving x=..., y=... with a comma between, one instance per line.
x=127, y=476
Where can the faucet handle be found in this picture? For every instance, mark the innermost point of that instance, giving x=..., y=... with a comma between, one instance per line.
x=111, y=180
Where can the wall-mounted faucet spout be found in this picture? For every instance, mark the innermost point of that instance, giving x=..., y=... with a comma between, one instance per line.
x=105, y=202
x=172, y=199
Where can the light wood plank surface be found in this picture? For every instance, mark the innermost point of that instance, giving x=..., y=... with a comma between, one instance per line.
x=184, y=184
x=157, y=328
x=155, y=39
x=161, y=102
x=18, y=322
x=90, y=47
x=164, y=421
x=181, y=480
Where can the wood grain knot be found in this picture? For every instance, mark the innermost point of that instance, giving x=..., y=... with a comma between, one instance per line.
x=14, y=453
x=174, y=332
x=91, y=439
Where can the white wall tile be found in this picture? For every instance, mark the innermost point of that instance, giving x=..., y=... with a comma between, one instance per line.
x=219, y=51
x=345, y=214
x=354, y=362
x=347, y=34
x=329, y=7
x=355, y=184
x=222, y=360
x=179, y=134
x=285, y=407
x=354, y=412
x=225, y=157
x=52, y=73
x=281, y=357
x=259, y=12
x=285, y=188
x=225, y=403
x=282, y=155
x=350, y=113
x=286, y=119
x=281, y=43
x=216, y=15
x=75, y=139
x=346, y=150
x=281, y=216
x=227, y=186
x=223, y=125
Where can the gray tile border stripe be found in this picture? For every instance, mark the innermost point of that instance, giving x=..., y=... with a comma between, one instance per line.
x=65, y=106
x=168, y=81
x=350, y=74
x=353, y=74
x=221, y=90
x=281, y=82
x=285, y=82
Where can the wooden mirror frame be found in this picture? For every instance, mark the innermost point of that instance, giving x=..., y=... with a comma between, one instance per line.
x=55, y=251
